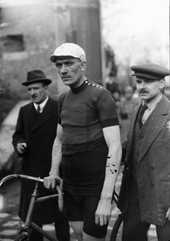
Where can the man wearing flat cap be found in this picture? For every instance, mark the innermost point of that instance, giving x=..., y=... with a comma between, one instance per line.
x=87, y=146
x=144, y=197
x=33, y=140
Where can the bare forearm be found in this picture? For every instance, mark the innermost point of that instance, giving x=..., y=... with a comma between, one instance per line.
x=56, y=157
x=112, y=171
x=103, y=212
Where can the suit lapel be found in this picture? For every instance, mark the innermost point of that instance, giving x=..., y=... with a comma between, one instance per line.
x=131, y=132
x=158, y=119
x=44, y=116
x=30, y=116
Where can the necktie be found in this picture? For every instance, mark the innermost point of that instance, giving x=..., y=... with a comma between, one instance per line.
x=38, y=110
x=141, y=112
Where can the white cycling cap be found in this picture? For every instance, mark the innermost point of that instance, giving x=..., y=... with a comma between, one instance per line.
x=68, y=49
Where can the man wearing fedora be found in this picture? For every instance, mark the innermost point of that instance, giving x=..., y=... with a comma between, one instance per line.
x=144, y=197
x=33, y=140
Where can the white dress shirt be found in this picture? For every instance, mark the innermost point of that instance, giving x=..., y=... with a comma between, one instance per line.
x=151, y=106
x=42, y=105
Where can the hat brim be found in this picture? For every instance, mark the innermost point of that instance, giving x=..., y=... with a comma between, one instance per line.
x=148, y=76
x=44, y=81
x=54, y=58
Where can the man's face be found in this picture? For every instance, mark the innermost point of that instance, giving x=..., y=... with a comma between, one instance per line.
x=37, y=92
x=148, y=89
x=128, y=94
x=71, y=71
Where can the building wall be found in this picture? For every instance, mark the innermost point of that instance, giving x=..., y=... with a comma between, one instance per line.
x=80, y=22
x=32, y=29
x=34, y=20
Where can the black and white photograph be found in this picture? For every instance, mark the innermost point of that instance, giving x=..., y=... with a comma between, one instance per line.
x=84, y=120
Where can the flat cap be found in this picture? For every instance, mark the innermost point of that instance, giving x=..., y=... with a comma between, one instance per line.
x=68, y=49
x=150, y=71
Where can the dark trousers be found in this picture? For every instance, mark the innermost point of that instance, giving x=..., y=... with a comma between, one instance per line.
x=136, y=230
x=62, y=230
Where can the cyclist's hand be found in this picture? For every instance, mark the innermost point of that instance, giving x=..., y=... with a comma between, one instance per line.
x=103, y=212
x=52, y=181
x=168, y=214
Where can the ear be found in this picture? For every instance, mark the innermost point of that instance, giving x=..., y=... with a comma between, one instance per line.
x=162, y=84
x=83, y=66
x=46, y=88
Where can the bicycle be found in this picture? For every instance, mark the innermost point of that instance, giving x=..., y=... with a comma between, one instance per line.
x=28, y=225
x=118, y=222
x=25, y=229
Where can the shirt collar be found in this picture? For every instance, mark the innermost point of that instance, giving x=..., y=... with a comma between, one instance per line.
x=42, y=104
x=154, y=102
x=80, y=88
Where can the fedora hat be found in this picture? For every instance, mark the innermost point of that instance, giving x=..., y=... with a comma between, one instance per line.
x=36, y=76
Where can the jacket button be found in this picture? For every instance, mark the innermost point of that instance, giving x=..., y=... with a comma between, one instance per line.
x=152, y=167
x=152, y=184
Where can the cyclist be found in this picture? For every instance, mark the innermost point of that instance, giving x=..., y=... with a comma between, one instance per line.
x=87, y=145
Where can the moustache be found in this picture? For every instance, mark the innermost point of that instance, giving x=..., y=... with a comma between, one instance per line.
x=33, y=96
x=143, y=92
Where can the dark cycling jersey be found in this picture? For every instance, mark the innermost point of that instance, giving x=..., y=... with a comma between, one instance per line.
x=83, y=113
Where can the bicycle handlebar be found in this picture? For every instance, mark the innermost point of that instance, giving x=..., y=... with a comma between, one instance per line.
x=3, y=180
x=60, y=193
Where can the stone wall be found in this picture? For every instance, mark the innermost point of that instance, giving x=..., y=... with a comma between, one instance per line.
x=28, y=39
x=32, y=29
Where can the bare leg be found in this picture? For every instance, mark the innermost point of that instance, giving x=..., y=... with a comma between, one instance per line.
x=87, y=237
x=78, y=230
x=82, y=236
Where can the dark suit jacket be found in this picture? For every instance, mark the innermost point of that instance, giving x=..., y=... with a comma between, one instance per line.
x=39, y=135
x=153, y=169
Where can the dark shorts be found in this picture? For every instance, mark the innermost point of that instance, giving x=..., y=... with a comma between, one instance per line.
x=84, y=173
x=83, y=209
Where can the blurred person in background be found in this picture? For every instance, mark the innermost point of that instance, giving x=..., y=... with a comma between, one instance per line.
x=144, y=197
x=166, y=91
x=112, y=85
x=125, y=109
x=33, y=141
x=116, y=96
x=87, y=146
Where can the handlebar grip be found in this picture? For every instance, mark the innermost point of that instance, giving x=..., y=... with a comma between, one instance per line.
x=60, y=198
